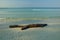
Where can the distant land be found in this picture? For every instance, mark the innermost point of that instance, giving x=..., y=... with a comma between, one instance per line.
x=33, y=8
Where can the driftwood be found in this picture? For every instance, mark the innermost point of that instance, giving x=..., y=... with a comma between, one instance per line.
x=33, y=26
x=27, y=26
x=15, y=26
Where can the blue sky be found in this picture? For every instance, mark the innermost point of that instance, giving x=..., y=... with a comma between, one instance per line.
x=29, y=3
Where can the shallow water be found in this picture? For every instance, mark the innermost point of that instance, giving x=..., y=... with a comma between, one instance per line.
x=30, y=34
x=50, y=32
x=30, y=16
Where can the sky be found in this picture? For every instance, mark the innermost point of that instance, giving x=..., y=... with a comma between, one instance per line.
x=29, y=3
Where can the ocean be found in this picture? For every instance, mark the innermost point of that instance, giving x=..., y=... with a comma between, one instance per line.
x=17, y=16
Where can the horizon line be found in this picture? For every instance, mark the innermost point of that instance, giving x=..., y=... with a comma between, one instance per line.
x=31, y=8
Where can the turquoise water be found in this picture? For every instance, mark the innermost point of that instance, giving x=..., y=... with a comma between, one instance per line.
x=29, y=13
x=28, y=16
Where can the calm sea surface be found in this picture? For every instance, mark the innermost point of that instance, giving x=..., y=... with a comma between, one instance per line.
x=19, y=16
